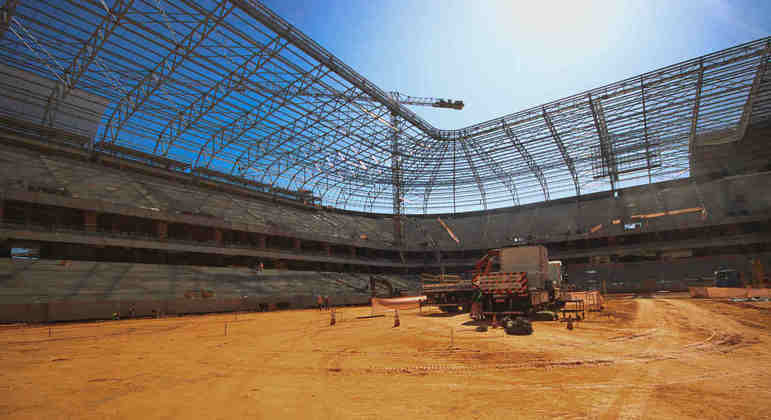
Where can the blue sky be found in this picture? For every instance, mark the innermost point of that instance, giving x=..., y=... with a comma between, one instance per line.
x=504, y=56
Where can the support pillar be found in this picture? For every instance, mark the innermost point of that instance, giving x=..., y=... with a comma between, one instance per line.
x=5, y=250
x=296, y=244
x=328, y=249
x=161, y=229
x=89, y=220
x=218, y=236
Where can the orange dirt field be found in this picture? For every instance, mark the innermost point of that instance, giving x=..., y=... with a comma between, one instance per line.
x=667, y=357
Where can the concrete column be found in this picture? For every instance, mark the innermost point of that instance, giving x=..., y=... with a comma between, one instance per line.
x=5, y=250
x=161, y=229
x=89, y=220
x=218, y=236
x=296, y=244
x=328, y=249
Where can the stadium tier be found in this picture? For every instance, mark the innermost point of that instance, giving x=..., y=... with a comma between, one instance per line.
x=269, y=152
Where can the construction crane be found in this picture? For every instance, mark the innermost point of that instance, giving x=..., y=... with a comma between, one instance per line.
x=396, y=167
x=396, y=126
x=432, y=102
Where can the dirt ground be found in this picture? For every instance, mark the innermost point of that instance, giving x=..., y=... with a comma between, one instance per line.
x=667, y=357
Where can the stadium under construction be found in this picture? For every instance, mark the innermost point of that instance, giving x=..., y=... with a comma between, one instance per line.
x=345, y=258
x=151, y=151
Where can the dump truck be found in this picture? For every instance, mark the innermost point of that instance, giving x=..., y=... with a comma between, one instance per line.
x=449, y=292
x=516, y=282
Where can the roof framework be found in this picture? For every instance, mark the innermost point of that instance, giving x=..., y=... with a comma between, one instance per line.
x=230, y=87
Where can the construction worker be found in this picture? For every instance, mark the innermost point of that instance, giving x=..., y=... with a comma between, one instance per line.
x=396, y=318
x=320, y=302
x=326, y=301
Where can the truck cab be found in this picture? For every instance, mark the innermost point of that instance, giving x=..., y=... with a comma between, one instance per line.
x=728, y=277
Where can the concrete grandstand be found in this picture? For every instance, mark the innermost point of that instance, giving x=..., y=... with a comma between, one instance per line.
x=283, y=159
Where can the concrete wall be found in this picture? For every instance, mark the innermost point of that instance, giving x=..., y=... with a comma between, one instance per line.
x=676, y=274
x=53, y=290
x=95, y=187
x=727, y=200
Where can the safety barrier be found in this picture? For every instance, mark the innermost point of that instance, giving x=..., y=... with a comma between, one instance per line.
x=380, y=305
x=727, y=292
x=593, y=300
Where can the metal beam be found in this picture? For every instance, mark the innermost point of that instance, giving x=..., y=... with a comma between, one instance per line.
x=473, y=168
x=83, y=59
x=258, y=114
x=7, y=11
x=534, y=168
x=432, y=178
x=606, y=145
x=273, y=21
x=563, y=151
x=197, y=109
x=695, y=115
x=396, y=178
x=744, y=122
x=43, y=55
x=645, y=129
x=153, y=80
x=319, y=113
x=498, y=171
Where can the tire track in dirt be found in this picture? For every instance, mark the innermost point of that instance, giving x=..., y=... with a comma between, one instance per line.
x=672, y=318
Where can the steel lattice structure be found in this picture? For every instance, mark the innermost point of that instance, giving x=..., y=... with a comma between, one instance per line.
x=230, y=87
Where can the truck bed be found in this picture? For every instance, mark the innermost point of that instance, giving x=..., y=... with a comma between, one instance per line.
x=448, y=287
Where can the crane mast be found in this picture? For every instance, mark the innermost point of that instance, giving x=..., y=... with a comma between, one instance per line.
x=397, y=178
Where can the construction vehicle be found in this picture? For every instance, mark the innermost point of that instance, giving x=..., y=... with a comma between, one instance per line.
x=524, y=284
x=450, y=293
x=728, y=277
